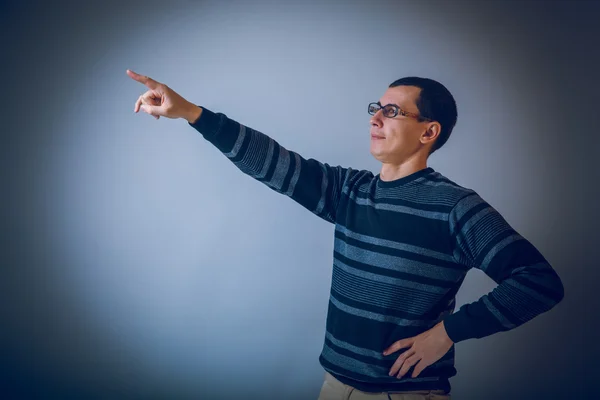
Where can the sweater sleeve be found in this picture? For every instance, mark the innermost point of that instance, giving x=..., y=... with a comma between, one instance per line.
x=314, y=185
x=527, y=284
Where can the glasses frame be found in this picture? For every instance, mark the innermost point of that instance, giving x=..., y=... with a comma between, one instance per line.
x=397, y=110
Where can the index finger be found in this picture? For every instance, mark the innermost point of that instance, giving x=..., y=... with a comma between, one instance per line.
x=397, y=346
x=146, y=80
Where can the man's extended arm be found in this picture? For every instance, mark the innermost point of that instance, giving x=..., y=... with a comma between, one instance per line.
x=314, y=185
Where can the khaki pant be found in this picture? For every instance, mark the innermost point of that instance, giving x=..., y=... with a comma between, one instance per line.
x=333, y=389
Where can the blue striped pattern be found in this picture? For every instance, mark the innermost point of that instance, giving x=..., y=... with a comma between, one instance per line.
x=401, y=251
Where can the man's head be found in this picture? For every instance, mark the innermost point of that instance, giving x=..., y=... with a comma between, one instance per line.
x=424, y=128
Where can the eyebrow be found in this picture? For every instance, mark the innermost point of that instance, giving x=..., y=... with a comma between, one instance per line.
x=393, y=104
x=388, y=104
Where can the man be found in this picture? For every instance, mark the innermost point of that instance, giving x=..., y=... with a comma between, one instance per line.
x=404, y=241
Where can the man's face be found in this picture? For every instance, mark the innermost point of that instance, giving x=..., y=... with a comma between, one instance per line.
x=395, y=140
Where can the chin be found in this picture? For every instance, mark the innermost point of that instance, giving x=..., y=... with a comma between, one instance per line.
x=378, y=156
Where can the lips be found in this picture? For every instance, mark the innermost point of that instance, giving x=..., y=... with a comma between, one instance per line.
x=377, y=136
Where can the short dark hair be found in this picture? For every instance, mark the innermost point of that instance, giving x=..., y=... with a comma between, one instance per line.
x=435, y=102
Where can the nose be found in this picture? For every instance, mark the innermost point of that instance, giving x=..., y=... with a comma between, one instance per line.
x=376, y=119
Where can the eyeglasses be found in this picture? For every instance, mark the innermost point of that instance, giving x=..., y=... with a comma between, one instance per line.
x=392, y=110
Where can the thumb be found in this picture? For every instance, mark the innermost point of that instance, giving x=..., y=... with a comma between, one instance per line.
x=155, y=111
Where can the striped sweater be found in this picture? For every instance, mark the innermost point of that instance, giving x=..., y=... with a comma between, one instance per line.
x=401, y=251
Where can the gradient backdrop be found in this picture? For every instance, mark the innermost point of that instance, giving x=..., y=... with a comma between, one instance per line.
x=138, y=262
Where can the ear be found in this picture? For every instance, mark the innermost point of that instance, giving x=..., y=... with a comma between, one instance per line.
x=432, y=132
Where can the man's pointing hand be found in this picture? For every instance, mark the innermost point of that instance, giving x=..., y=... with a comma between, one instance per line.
x=162, y=101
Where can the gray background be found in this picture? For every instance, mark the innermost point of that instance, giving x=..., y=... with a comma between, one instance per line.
x=138, y=262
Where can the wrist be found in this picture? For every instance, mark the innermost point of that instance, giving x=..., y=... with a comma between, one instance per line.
x=193, y=114
x=448, y=338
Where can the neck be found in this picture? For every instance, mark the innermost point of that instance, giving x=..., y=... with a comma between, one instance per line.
x=391, y=172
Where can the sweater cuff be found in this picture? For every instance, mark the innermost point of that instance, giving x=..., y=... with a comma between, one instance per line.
x=456, y=326
x=208, y=124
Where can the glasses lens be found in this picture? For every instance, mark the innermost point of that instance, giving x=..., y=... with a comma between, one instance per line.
x=389, y=111
x=373, y=108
